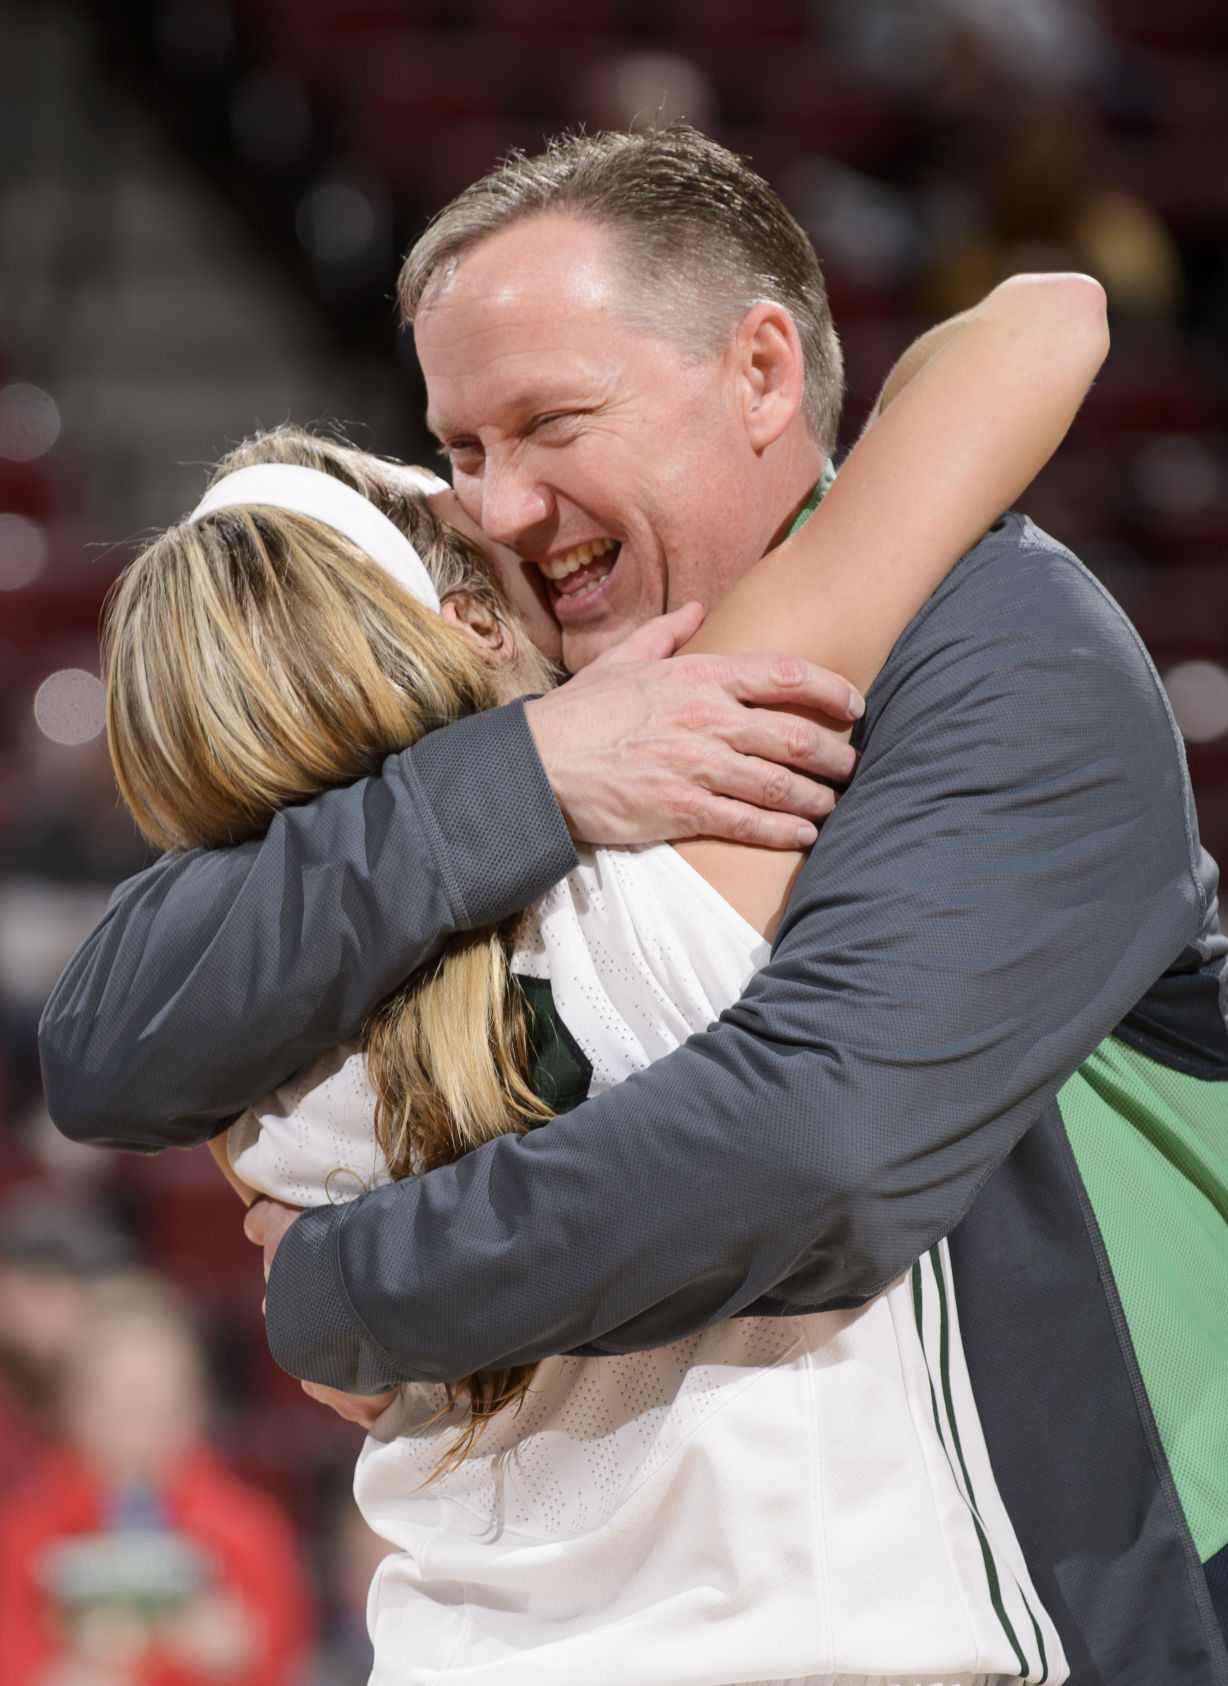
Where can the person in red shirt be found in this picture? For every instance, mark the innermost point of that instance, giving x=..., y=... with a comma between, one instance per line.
x=132, y=1556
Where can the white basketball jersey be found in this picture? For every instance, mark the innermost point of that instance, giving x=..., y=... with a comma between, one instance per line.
x=796, y=1499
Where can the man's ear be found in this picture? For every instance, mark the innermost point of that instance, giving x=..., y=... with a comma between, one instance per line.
x=475, y=618
x=770, y=370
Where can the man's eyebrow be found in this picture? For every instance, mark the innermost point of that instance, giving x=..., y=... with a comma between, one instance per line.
x=519, y=411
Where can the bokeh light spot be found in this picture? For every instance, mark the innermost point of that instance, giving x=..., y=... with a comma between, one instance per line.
x=335, y=222
x=23, y=551
x=1177, y=475
x=1198, y=692
x=29, y=422
x=70, y=706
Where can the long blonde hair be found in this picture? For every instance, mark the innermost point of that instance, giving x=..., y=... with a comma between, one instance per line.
x=254, y=658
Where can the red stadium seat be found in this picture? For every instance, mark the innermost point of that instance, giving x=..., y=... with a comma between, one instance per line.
x=1197, y=24
x=792, y=91
x=401, y=85
x=309, y=34
x=1192, y=90
x=549, y=19
x=434, y=164
x=1150, y=391
x=191, y=1223
x=698, y=21
x=28, y=488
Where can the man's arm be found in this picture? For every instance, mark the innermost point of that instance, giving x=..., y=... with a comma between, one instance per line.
x=1011, y=869
x=216, y=974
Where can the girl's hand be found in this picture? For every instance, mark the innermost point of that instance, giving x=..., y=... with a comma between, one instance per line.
x=360, y=1408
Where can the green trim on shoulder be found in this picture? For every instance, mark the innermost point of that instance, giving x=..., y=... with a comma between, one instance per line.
x=559, y=1073
x=825, y=483
x=1151, y=1145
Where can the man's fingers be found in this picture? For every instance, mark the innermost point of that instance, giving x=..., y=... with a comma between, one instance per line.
x=658, y=639
x=746, y=780
x=792, y=741
x=646, y=750
x=773, y=681
x=738, y=822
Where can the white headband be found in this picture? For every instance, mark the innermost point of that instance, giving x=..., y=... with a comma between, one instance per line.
x=311, y=492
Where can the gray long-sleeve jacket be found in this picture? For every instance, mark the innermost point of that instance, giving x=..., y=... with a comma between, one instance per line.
x=1014, y=867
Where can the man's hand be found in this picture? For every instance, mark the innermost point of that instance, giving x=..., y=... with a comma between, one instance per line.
x=265, y=1222
x=360, y=1408
x=643, y=750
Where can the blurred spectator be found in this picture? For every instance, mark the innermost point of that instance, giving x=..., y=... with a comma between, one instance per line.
x=50, y=1251
x=132, y=1556
x=1048, y=204
x=866, y=233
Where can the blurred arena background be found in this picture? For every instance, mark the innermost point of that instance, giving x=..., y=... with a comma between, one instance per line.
x=202, y=206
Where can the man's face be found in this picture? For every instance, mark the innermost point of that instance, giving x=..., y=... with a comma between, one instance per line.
x=600, y=453
x=522, y=581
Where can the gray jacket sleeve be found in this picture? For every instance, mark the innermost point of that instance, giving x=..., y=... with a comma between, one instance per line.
x=1015, y=863
x=214, y=975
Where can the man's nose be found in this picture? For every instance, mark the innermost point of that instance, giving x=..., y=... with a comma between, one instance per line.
x=513, y=503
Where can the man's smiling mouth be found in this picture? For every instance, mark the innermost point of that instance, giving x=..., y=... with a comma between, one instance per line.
x=581, y=570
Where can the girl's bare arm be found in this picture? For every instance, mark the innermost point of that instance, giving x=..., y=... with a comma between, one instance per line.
x=966, y=419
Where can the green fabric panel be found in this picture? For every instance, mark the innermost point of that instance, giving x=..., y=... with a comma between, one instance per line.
x=826, y=482
x=1152, y=1147
x=559, y=1074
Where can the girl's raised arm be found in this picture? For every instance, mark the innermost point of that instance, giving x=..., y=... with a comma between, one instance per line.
x=967, y=418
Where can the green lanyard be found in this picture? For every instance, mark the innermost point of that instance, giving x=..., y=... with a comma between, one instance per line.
x=826, y=481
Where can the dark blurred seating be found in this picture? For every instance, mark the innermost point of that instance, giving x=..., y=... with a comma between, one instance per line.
x=548, y=20
x=749, y=27
x=309, y=34
x=1197, y=24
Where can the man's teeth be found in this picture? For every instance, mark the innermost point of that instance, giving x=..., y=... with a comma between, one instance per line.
x=576, y=559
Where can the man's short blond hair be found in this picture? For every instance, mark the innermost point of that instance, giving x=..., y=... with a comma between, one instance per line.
x=701, y=238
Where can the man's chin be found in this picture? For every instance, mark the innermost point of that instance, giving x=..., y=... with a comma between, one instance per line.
x=585, y=639
x=584, y=645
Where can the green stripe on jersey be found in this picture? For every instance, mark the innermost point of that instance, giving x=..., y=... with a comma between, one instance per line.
x=948, y=1437
x=1151, y=1145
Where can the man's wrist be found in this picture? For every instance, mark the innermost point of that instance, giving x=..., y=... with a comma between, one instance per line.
x=313, y=1330
x=518, y=820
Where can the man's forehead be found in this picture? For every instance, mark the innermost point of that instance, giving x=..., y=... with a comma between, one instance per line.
x=538, y=260
x=517, y=313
